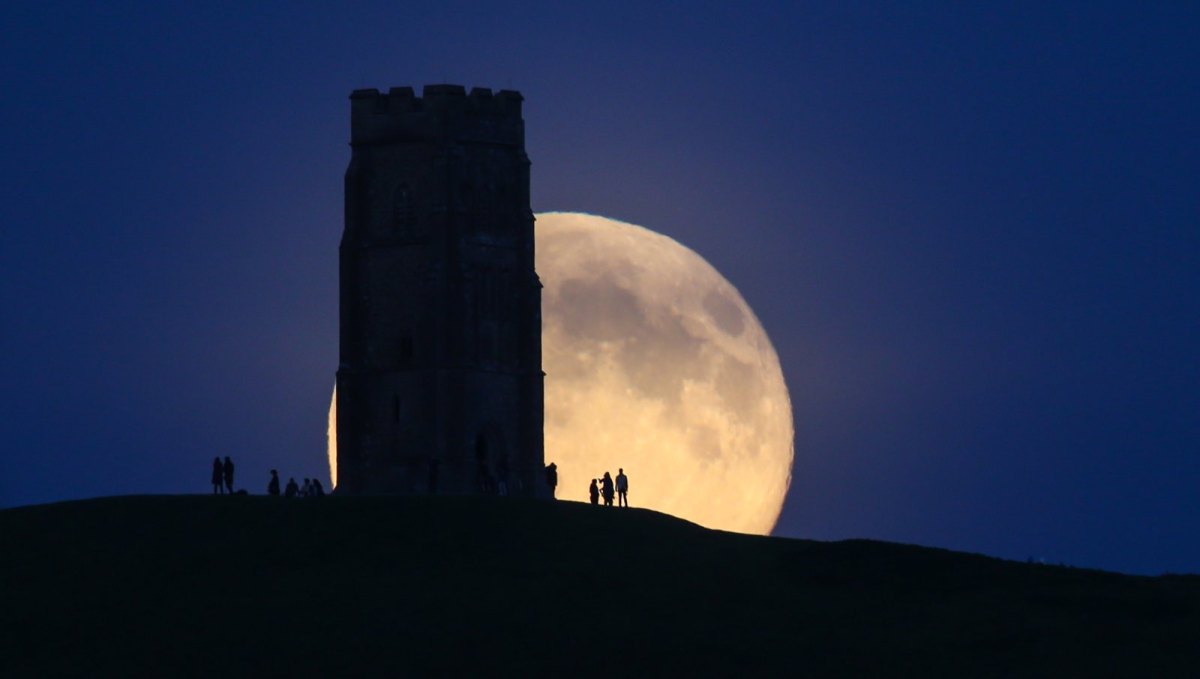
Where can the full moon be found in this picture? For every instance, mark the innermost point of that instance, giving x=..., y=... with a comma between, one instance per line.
x=656, y=365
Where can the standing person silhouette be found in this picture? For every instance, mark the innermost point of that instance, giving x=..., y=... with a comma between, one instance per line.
x=273, y=484
x=292, y=489
x=622, y=488
x=218, y=472
x=594, y=493
x=606, y=489
x=227, y=472
x=552, y=478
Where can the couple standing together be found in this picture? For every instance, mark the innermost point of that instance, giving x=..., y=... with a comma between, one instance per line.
x=605, y=488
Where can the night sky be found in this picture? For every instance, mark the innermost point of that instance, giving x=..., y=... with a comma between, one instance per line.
x=973, y=234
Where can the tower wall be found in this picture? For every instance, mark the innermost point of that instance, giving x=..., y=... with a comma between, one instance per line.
x=439, y=375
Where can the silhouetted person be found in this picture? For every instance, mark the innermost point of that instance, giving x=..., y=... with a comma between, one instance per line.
x=227, y=471
x=317, y=489
x=292, y=489
x=594, y=493
x=502, y=475
x=552, y=477
x=606, y=489
x=273, y=484
x=622, y=488
x=217, y=476
x=307, y=489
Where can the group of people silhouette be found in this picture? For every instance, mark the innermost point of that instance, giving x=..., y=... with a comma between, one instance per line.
x=604, y=487
x=222, y=482
x=312, y=487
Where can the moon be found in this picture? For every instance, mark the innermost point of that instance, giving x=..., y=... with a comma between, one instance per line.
x=656, y=365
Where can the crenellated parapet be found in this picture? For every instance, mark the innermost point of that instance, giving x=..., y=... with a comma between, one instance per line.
x=399, y=115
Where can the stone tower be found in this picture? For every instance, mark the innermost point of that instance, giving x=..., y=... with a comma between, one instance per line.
x=439, y=382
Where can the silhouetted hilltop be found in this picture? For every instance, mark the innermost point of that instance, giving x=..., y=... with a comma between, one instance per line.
x=338, y=586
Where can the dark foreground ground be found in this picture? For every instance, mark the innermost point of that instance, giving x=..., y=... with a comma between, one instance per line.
x=254, y=586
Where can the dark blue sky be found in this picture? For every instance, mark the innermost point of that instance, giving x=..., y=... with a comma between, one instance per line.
x=973, y=234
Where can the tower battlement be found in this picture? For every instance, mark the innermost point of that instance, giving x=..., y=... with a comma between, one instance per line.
x=399, y=115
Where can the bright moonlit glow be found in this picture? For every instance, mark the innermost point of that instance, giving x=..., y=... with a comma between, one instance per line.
x=655, y=363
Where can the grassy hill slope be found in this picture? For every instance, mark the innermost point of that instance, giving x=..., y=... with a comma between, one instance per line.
x=199, y=585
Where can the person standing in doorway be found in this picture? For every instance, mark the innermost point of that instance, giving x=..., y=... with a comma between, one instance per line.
x=227, y=472
x=622, y=488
